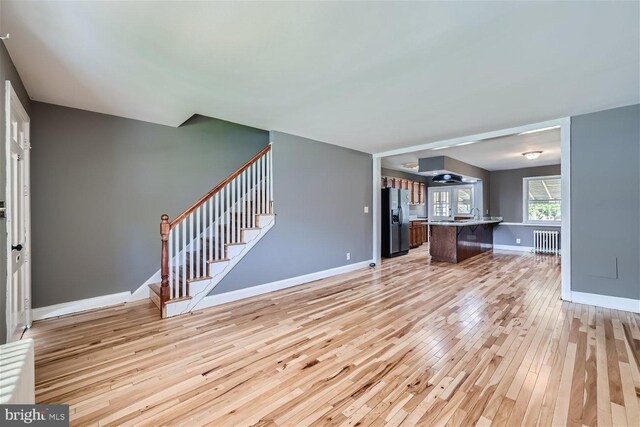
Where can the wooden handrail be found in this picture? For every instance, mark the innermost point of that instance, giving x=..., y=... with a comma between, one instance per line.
x=218, y=187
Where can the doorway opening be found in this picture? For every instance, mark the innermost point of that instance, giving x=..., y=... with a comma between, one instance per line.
x=502, y=190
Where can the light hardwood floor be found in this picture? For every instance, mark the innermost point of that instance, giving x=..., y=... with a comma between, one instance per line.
x=484, y=342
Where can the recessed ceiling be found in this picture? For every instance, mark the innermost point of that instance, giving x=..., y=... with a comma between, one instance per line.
x=492, y=154
x=366, y=75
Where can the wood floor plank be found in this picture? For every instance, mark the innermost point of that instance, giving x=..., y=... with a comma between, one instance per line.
x=411, y=342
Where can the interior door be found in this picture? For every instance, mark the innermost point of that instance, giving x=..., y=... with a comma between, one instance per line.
x=440, y=203
x=18, y=218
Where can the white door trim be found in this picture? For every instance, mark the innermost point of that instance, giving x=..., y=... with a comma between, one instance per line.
x=565, y=167
x=13, y=102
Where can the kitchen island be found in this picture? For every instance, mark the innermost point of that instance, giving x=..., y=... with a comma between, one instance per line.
x=456, y=241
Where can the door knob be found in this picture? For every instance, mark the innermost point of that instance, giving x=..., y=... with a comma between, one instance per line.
x=17, y=247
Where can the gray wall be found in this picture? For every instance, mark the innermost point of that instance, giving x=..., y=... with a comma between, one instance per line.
x=506, y=190
x=508, y=234
x=506, y=201
x=7, y=72
x=605, y=212
x=100, y=184
x=320, y=191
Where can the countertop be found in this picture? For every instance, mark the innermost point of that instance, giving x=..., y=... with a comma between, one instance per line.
x=465, y=223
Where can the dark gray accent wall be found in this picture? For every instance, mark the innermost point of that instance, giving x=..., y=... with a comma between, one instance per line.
x=452, y=165
x=320, y=191
x=605, y=211
x=7, y=72
x=100, y=184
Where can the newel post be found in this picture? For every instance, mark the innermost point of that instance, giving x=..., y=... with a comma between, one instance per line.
x=165, y=227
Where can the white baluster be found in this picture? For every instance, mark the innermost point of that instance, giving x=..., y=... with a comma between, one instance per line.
x=253, y=195
x=244, y=198
x=170, y=238
x=216, y=224
x=184, y=253
x=176, y=247
x=233, y=211
x=267, y=189
x=227, y=222
x=271, y=179
x=210, y=253
x=197, y=242
x=257, y=189
x=239, y=208
x=191, y=259
x=262, y=193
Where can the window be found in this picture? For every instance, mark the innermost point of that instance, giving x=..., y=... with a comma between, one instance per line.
x=463, y=196
x=542, y=200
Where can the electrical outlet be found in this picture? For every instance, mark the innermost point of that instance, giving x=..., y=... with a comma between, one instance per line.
x=366, y=209
x=348, y=256
x=518, y=241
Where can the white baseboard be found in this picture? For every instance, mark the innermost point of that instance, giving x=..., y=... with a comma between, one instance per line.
x=213, y=300
x=80, y=305
x=606, y=301
x=513, y=248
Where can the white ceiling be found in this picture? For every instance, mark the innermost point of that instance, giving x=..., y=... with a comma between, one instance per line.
x=492, y=154
x=370, y=76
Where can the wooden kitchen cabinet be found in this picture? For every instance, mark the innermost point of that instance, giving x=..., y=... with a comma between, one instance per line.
x=416, y=234
x=417, y=190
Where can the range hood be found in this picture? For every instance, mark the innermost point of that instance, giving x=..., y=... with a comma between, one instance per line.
x=447, y=178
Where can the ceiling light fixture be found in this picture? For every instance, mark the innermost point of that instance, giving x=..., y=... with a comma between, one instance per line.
x=466, y=143
x=539, y=130
x=532, y=155
x=441, y=148
x=412, y=165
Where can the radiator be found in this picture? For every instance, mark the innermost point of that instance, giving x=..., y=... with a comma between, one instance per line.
x=17, y=373
x=546, y=242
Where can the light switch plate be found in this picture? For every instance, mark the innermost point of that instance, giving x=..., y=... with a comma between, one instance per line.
x=366, y=209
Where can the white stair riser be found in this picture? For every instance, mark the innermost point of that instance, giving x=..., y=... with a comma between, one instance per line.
x=234, y=250
x=200, y=289
x=249, y=235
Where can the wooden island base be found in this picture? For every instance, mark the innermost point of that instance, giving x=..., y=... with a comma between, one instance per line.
x=457, y=242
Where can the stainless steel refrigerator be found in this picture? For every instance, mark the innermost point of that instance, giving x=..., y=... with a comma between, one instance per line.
x=395, y=222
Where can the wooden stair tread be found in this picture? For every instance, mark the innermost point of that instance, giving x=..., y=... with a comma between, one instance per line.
x=199, y=279
x=235, y=244
x=213, y=261
x=184, y=298
x=155, y=287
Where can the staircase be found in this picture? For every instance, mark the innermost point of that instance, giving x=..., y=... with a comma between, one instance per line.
x=205, y=242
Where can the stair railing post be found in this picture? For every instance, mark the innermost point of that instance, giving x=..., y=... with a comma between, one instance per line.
x=165, y=227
